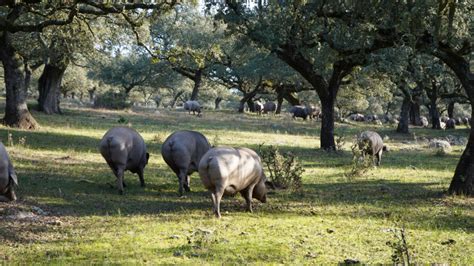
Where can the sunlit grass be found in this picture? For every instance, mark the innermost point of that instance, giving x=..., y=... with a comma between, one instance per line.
x=334, y=217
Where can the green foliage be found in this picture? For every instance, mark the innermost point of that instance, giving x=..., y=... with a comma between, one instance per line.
x=284, y=168
x=340, y=140
x=400, y=247
x=122, y=120
x=112, y=100
x=361, y=164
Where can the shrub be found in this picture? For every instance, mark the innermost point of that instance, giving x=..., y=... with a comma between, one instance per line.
x=112, y=100
x=360, y=164
x=400, y=248
x=340, y=141
x=284, y=169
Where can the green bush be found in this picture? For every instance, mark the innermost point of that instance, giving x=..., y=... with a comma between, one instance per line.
x=284, y=169
x=360, y=164
x=112, y=100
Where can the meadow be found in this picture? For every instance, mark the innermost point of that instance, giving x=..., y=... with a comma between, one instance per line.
x=69, y=210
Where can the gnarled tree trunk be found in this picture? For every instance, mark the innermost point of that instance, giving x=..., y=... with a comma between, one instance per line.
x=92, y=94
x=434, y=114
x=197, y=85
x=16, y=81
x=327, y=124
x=279, y=103
x=217, y=103
x=415, y=118
x=451, y=109
x=49, y=85
x=404, y=116
x=463, y=179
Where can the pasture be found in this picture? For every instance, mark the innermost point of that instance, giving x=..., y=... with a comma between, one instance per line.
x=69, y=210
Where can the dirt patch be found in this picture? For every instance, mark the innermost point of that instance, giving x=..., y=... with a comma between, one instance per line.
x=25, y=223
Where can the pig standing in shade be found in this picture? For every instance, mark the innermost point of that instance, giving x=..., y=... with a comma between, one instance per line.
x=269, y=107
x=124, y=149
x=371, y=143
x=299, y=111
x=193, y=106
x=8, y=177
x=226, y=171
x=258, y=107
x=182, y=151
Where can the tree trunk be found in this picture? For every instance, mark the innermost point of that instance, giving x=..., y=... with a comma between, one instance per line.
x=49, y=85
x=16, y=81
x=292, y=99
x=217, y=103
x=251, y=105
x=279, y=103
x=463, y=180
x=327, y=124
x=434, y=113
x=451, y=109
x=404, y=116
x=197, y=85
x=247, y=99
x=92, y=94
x=175, y=98
x=283, y=93
x=415, y=118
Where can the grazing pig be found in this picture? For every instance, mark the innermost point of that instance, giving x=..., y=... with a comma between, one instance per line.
x=269, y=107
x=371, y=143
x=299, y=111
x=371, y=118
x=8, y=177
x=451, y=124
x=192, y=106
x=258, y=107
x=357, y=117
x=312, y=111
x=182, y=151
x=444, y=119
x=442, y=125
x=424, y=121
x=458, y=121
x=124, y=149
x=226, y=171
x=466, y=121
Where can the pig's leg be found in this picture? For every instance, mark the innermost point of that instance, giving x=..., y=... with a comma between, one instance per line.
x=182, y=179
x=186, y=183
x=140, y=176
x=247, y=194
x=379, y=157
x=218, y=196
x=120, y=180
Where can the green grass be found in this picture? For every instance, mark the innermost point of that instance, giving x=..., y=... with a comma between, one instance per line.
x=332, y=219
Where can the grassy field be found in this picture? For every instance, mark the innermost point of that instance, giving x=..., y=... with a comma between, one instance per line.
x=69, y=211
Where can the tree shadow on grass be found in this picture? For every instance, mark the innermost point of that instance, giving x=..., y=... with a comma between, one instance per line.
x=423, y=204
x=51, y=141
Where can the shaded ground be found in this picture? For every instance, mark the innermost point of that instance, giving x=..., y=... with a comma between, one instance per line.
x=69, y=210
